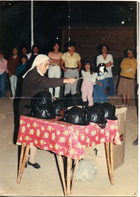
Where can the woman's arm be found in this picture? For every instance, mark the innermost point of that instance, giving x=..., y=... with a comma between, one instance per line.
x=125, y=65
x=110, y=63
x=100, y=84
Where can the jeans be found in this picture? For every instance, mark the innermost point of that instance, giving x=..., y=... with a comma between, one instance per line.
x=2, y=84
x=13, y=81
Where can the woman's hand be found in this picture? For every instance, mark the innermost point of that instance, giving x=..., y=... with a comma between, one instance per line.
x=10, y=74
x=100, y=84
x=69, y=80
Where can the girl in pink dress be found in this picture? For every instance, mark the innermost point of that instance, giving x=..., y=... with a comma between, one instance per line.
x=89, y=79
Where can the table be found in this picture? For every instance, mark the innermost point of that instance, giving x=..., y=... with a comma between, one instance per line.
x=65, y=139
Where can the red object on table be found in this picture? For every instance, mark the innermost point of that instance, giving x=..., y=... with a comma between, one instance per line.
x=64, y=138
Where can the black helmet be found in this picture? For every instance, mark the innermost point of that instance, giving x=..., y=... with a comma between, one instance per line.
x=96, y=115
x=44, y=112
x=109, y=111
x=58, y=105
x=74, y=100
x=41, y=98
x=76, y=115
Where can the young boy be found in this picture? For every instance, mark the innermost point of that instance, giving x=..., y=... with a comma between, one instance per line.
x=22, y=65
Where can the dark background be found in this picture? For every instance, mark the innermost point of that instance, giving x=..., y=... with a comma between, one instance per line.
x=50, y=16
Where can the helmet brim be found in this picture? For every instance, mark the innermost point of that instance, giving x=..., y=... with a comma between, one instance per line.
x=80, y=124
x=112, y=118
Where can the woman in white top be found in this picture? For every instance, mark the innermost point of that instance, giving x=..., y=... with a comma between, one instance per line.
x=107, y=59
x=55, y=70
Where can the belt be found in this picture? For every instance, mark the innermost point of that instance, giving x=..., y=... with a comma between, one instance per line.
x=54, y=64
x=72, y=68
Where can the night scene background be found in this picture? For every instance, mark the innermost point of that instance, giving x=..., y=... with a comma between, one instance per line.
x=50, y=16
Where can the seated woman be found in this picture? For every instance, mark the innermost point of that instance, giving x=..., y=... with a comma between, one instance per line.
x=34, y=82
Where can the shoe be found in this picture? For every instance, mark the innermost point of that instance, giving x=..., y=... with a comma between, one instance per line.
x=35, y=165
x=135, y=142
x=12, y=97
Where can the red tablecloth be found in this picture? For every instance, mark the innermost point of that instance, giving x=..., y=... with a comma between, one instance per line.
x=65, y=138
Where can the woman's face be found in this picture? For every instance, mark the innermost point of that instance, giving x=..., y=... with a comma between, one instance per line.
x=56, y=47
x=35, y=50
x=87, y=67
x=24, y=50
x=15, y=51
x=104, y=49
x=130, y=54
x=44, y=66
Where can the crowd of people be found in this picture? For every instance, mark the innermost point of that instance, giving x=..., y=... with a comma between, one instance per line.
x=97, y=82
x=27, y=74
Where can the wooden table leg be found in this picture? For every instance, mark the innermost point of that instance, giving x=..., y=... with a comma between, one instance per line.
x=23, y=159
x=74, y=174
x=61, y=167
x=108, y=160
x=69, y=186
x=68, y=175
x=111, y=162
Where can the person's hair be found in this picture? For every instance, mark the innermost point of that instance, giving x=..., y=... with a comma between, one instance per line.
x=69, y=44
x=23, y=47
x=24, y=56
x=34, y=47
x=56, y=42
x=130, y=50
x=91, y=66
x=99, y=48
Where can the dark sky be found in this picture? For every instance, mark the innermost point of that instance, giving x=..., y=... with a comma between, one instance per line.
x=15, y=19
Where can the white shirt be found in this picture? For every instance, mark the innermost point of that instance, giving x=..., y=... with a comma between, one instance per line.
x=109, y=58
x=87, y=76
x=29, y=55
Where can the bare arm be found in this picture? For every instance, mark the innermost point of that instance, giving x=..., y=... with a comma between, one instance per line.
x=100, y=84
x=69, y=80
x=79, y=65
x=109, y=64
x=62, y=65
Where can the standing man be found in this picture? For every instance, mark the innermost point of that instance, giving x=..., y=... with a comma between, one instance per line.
x=72, y=67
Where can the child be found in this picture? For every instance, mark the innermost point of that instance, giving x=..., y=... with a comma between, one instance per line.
x=89, y=79
x=21, y=66
x=100, y=94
